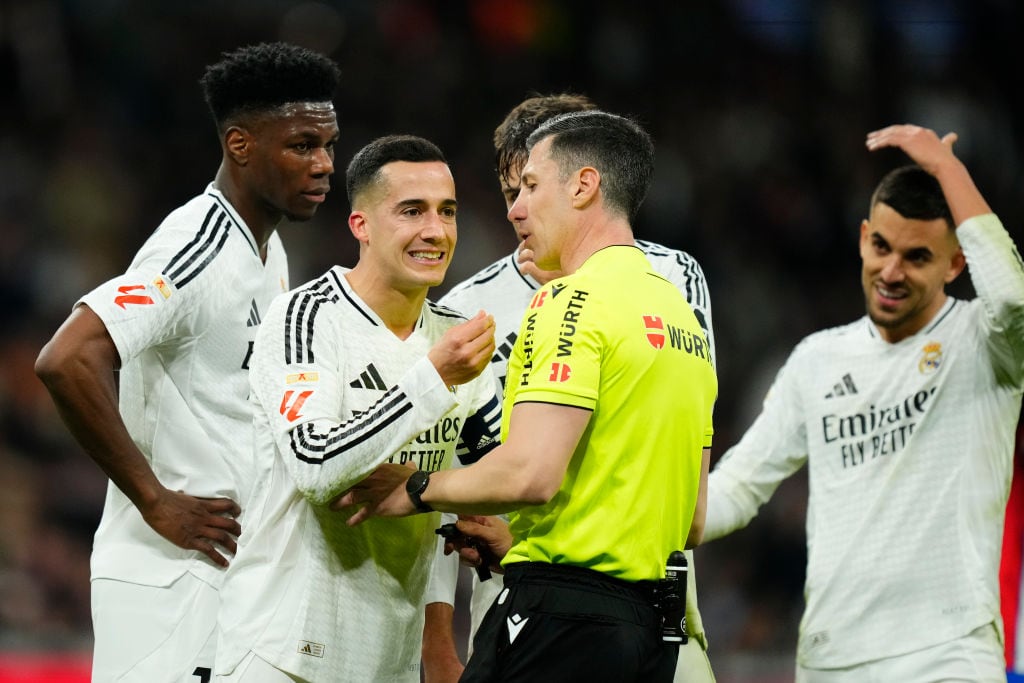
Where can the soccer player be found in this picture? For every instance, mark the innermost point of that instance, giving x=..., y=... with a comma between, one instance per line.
x=350, y=370
x=601, y=457
x=505, y=289
x=905, y=420
x=173, y=434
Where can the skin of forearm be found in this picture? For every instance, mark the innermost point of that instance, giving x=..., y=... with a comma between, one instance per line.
x=85, y=393
x=962, y=195
x=494, y=485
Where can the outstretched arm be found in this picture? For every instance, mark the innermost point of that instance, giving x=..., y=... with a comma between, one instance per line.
x=526, y=469
x=77, y=366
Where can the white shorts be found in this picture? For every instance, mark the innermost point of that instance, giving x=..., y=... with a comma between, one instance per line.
x=975, y=658
x=154, y=634
x=253, y=669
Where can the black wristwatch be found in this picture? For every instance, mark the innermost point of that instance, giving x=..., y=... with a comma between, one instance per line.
x=415, y=486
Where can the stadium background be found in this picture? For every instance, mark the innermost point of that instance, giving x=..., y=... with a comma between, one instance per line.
x=759, y=112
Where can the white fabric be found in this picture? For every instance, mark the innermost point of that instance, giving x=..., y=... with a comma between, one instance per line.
x=909, y=449
x=338, y=394
x=253, y=669
x=974, y=658
x=171, y=634
x=183, y=318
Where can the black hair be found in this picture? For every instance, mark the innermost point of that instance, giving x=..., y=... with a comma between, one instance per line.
x=259, y=78
x=619, y=148
x=364, y=169
x=913, y=193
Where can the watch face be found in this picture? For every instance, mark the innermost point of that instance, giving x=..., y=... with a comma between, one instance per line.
x=415, y=485
x=417, y=482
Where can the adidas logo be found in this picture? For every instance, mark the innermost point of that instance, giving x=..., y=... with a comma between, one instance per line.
x=845, y=387
x=369, y=379
x=312, y=649
x=254, y=315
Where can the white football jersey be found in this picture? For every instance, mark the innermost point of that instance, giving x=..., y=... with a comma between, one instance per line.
x=183, y=318
x=337, y=394
x=909, y=451
x=504, y=291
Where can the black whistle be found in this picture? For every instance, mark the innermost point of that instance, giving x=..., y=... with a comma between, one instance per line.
x=450, y=532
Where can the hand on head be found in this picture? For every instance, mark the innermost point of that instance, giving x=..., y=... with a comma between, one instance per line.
x=922, y=145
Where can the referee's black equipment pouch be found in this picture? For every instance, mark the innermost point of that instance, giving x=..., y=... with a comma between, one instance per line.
x=670, y=599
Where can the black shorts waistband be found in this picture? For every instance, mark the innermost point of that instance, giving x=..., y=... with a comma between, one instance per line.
x=642, y=591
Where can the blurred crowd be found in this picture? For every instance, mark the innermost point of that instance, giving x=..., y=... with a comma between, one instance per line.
x=758, y=109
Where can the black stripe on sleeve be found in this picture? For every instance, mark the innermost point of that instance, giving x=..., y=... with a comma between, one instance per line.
x=315, y=447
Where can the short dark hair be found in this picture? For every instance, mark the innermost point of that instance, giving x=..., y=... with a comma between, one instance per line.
x=259, y=78
x=913, y=193
x=619, y=148
x=510, y=149
x=364, y=169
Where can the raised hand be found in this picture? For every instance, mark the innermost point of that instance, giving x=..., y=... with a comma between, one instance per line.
x=935, y=155
x=922, y=145
x=464, y=350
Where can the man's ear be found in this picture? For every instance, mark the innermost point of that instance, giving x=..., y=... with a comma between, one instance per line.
x=357, y=224
x=588, y=182
x=956, y=265
x=237, y=142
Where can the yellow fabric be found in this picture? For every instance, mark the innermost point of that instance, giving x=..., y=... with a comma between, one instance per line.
x=617, y=339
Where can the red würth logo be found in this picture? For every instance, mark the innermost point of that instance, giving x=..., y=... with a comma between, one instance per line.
x=655, y=330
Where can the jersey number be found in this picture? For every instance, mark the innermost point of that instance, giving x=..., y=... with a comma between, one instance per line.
x=204, y=673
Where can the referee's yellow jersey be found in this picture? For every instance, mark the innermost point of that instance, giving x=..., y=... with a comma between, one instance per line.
x=617, y=339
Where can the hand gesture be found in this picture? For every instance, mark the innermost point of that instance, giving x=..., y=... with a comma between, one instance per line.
x=381, y=493
x=484, y=541
x=193, y=523
x=464, y=350
x=922, y=145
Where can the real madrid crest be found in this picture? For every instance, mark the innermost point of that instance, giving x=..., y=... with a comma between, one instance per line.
x=931, y=358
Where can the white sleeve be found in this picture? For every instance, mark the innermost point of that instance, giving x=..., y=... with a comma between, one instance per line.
x=480, y=434
x=773, y=448
x=302, y=401
x=444, y=573
x=997, y=274
x=143, y=308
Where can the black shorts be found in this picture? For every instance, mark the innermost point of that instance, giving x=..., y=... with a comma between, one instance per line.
x=561, y=624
